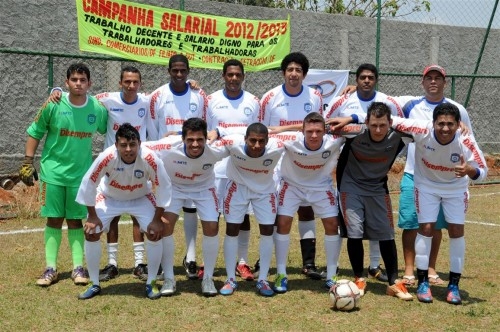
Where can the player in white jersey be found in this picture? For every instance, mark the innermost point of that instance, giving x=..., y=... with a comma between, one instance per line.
x=172, y=104
x=229, y=108
x=306, y=169
x=286, y=105
x=190, y=165
x=445, y=161
x=128, y=171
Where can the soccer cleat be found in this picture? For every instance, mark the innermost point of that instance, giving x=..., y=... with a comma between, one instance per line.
x=229, y=287
x=399, y=290
x=141, y=272
x=281, y=284
x=361, y=283
x=109, y=272
x=208, y=287
x=331, y=282
x=256, y=269
x=424, y=292
x=201, y=272
x=191, y=269
x=48, y=277
x=377, y=273
x=243, y=271
x=168, y=288
x=90, y=292
x=453, y=295
x=264, y=289
x=80, y=276
x=311, y=271
x=152, y=291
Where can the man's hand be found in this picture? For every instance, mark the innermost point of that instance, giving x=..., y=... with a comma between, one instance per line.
x=348, y=90
x=28, y=172
x=212, y=136
x=338, y=123
x=464, y=169
x=55, y=96
x=93, y=225
x=155, y=230
x=195, y=85
x=464, y=129
x=170, y=133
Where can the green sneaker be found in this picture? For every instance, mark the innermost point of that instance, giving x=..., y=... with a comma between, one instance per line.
x=152, y=291
x=281, y=284
x=90, y=292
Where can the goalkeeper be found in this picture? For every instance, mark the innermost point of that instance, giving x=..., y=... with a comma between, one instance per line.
x=66, y=156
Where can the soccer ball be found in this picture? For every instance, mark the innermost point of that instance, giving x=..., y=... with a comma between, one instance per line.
x=345, y=295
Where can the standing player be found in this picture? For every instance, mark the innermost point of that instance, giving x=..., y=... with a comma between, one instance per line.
x=128, y=172
x=66, y=156
x=172, y=104
x=229, y=108
x=285, y=105
x=445, y=161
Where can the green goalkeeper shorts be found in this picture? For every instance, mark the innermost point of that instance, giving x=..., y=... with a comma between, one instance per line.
x=59, y=202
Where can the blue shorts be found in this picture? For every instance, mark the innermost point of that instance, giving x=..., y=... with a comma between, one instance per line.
x=407, y=213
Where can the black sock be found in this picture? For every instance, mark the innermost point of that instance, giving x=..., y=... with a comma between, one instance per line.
x=422, y=275
x=356, y=255
x=454, y=278
x=389, y=254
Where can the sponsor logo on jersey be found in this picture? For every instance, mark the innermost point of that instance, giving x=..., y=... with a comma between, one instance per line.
x=307, y=107
x=282, y=105
x=206, y=166
x=247, y=111
x=66, y=113
x=429, y=147
x=119, y=169
x=267, y=162
x=116, y=109
x=181, y=162
x=455, y=158
x=91, y=118
x=141, y=112
x=326, y=154
x=193, y=107
x=138, y=174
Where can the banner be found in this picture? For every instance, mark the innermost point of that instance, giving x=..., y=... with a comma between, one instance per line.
x=329, y=83
x=153, y=34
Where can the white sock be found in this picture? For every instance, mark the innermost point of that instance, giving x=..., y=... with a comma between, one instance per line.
x=332, y=251
x=265, y=254
x=243, y=243
x=210, y=247
x=457, y=254
x=167, y=260
x=112, y=253
x=230, y=247
x=307, y=229
x=154, y=251
x=422, y=251
x=190, y=233
x=282, y=244
x=374, y=254
x=93, y=258
x=138, y=253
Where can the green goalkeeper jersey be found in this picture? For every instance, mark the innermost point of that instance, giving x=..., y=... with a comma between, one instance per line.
x=67, y=153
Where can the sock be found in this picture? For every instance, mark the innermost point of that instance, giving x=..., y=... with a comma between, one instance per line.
x=265, y=253
x=93, y=258
x=243, y=243
x=210, y=246
x=457, y=254
x=390, y=257
x=52, y=237
x=422, y=251
x=154, y=251
x=230, y=246
x=190, y=233
x=139, y=249
x=454, y=278
x=374, y=254
x=112, y=254
x=332, y=251
x=422, y=276
x=356, y=255
x=167, y=261
x=307, y=229
x=76, y=239
x=282, y=244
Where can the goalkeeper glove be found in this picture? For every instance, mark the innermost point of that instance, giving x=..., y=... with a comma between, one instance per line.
x=28, y=172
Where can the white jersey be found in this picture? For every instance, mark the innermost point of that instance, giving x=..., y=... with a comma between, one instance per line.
x=227, y=112
x=187, y=174
x=308, y=169
x=421, y=109
x=120, y=112
x=123, y=181
x=435, y=163
x=168, y=109
x=278, y=108
x=255, y=173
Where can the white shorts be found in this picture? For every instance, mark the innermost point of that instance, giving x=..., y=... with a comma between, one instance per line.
x=205, y=201
x=322, y=200
x=221, y=185
x=454, y=206
x=143, y=209
x=238, y=198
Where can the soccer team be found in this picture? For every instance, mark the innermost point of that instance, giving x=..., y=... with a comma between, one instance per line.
x=229, y=154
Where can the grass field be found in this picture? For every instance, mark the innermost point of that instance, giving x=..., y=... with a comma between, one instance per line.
x=123, y=306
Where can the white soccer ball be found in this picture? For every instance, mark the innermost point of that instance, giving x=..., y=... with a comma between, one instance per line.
x=345, y=295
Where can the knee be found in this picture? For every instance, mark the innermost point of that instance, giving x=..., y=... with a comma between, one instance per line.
x=93, y=237
x=188, y=210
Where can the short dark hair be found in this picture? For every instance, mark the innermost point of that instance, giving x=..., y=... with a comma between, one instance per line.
x=194, y=124
x=178, y=58
x=378, y=110
x=296, y=57
x=130, y=69
x=232, y=62
x=257, y=128
x=79, y=68
x=367, y=66
x=313, y=117
x=446, y=109
x=126, y=130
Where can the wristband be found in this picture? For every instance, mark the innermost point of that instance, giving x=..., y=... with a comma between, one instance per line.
x=478, y=172
x=28, y=160
x=56, y=89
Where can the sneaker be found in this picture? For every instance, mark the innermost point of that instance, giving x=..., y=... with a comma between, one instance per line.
x=48, y=277
x=208, y=287
x=377, y=273
x=141, y=272
x=243, y=271
x=229, y=287
x=281, y=284
x=191, y=269
x=424, y=292
x=109, y=272
x=399, y=290
x=168, y=288
x=311, y=271
x=256, y=269
x=331, y=282
x=90, y=292
x=361, y=283
x=453, y=295
x=80, y=276
x=264, y=289
x=152, y=291
x=201, y=272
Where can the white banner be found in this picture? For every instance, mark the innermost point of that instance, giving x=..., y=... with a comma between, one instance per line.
x=328, y=82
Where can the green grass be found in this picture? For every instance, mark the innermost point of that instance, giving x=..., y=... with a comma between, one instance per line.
x=123, y=306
